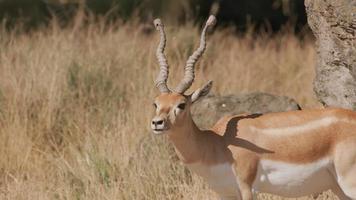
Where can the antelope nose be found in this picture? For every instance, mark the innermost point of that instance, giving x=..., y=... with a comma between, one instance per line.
x=157, y=122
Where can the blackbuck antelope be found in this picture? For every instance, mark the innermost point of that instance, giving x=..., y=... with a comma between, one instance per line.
x=290, y=154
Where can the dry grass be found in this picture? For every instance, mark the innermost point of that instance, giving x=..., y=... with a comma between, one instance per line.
x=75, y=106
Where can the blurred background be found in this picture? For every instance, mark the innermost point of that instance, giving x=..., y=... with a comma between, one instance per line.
x=270, y=15
x=77, y=87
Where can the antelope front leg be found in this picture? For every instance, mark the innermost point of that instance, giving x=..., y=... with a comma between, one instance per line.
x=246, y=169
x=246, y=191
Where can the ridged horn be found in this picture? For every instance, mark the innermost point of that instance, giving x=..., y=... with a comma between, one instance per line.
x=189, y=67
x=161, y=81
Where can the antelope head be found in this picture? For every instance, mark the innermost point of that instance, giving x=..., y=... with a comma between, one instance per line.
x=173, y=106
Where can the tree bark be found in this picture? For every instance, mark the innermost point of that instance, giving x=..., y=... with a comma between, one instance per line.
x=333, y=22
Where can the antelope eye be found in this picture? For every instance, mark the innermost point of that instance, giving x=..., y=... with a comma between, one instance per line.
x=154, y=105
x=181, y=106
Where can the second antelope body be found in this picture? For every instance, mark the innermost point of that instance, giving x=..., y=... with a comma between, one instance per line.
x=290, y=154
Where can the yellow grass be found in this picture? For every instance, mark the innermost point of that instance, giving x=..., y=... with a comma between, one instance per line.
x=75, y=106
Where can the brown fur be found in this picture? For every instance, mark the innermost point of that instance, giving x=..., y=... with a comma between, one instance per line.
x=297, y=148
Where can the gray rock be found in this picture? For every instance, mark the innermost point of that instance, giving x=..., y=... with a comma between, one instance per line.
x=211, y=108
x=334, y=25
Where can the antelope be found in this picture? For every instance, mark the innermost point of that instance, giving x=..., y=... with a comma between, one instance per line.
x=290, y=154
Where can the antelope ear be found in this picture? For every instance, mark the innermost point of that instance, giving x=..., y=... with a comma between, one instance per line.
x=201, y=92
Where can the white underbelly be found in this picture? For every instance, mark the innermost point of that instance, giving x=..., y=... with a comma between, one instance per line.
x=294, y=180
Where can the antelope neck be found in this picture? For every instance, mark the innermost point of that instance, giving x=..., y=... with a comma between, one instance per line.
x=185, y=140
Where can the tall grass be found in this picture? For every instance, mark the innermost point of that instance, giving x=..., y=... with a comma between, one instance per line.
x=75, y=106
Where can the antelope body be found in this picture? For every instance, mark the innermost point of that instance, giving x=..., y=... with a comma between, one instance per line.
x=290, y=154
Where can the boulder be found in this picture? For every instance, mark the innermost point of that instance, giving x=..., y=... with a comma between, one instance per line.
x=211, y=108
x=333, y=22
